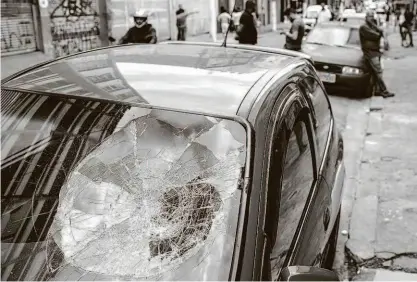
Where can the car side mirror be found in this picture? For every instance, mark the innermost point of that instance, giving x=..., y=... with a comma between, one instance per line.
x=307, y=273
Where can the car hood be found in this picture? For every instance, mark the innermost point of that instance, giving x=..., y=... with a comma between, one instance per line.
x=106, y=191
x=334, y=55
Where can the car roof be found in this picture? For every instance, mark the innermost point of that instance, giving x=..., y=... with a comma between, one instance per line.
x=198, y=77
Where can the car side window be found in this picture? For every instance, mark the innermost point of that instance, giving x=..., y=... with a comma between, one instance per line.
x=297, y=180
x=323, y=114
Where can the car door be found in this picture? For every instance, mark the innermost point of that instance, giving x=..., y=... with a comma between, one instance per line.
x=312, y=238
x=292, y=177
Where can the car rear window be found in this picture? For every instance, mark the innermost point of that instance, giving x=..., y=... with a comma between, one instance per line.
x=92, y=187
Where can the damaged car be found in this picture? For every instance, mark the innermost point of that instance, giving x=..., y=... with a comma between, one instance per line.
x=179, y=161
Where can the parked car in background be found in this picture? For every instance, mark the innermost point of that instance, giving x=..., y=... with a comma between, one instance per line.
x=176, y=161
x=338, y=58
x=311, y=14
x=348, y=12
x=359, y=18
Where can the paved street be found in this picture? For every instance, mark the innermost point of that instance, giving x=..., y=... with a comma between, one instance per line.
x=382, y=229
x=379, y=211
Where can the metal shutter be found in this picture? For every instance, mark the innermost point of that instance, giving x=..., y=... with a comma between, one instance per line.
x=17, y=27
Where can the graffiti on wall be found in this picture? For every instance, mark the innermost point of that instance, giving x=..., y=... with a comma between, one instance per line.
x=17, y=31
x=75, y=26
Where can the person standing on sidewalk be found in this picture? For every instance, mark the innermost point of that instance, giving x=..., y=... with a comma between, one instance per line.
x=387, y=9
x=237, y=13
x=324, y=15
x=406, y=28
x=294, y=38
x=224, y=19
x=247, y=32
x=182, y=22
x=370, y=36
x=397, y=14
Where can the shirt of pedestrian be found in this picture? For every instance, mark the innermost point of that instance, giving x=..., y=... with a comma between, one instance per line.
x=181, y=21
x=297, y=25
x=408, y=17
x=236, y=17
x=224, y=18
x=324, y=16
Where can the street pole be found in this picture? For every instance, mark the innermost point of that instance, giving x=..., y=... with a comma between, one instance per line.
x=127, y=15
x=105, y=23
x=273, y=9
x=213, y=20
x=171, y=19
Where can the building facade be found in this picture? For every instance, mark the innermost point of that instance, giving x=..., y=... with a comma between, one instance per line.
x=63, y=27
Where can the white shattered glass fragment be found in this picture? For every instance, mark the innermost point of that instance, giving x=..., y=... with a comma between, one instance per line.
x=149, y=197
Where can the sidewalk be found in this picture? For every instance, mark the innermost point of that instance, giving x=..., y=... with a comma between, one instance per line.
x=263, y=30
x=383, y=229
x=15, y=63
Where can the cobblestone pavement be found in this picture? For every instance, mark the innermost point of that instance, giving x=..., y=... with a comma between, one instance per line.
x=382, y=229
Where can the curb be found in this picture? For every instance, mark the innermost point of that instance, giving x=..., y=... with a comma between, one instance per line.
x=359, y=242
x=354, y=136
x=362, y=225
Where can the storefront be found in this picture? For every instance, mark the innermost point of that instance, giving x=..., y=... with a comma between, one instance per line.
x=18, y=32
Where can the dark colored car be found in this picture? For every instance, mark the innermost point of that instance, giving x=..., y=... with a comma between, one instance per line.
x=338, y=58
x=170, y=162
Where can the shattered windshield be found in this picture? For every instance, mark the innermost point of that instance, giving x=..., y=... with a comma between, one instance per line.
x=103, y=192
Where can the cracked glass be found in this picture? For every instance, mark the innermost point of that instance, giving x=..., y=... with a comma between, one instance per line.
x=102, y=191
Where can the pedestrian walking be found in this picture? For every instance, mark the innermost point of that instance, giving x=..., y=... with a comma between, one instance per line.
x=141, y=32
x=387, y=9
x=237, y=13
x=224, y=19
x=247, y=32
x=324, y=15
x=182, y=16
x=406, y=28
x=294, y=38
x=370, y=37
x=397, y=18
